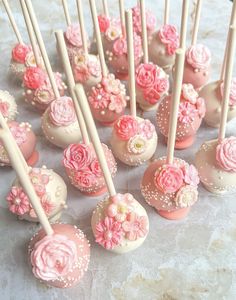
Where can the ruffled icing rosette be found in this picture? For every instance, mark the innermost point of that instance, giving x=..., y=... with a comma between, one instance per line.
x=120, y=224
x=83, y=168
x=192, y=109
x=170, y=189
x=137, y=23
x=133, y=140
x=49, y=187
x=8, y=106
x=152, y=84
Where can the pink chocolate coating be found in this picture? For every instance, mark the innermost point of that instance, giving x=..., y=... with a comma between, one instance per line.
x=197, y=78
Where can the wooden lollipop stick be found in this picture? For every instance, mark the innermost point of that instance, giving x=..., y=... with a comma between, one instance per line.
x=66, y=12
x=177, y=87
x=6, y=128
x=130, y=39
x=144, y=31
x=12, y=21
x=30, y=33
x=42, y=48
x=167, y=12
x=122, y=16
x=95, y=138
x=82, y=26
x=105, y=8
x=71, y=84
x=98, y=38
x=196, y=22
x=232, y=22
x=184, y=23
x=227, y=82
x=25, y=181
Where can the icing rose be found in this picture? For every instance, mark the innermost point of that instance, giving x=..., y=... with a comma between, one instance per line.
x=117, y=103
x=135, y=227
x=112, y=85
x=189, y=93
x=136, y=144
x=154, y=93
x=34, y=77
x=73, y=35
x=146, y=75
x=53, y=257
x=18, y=201
x=169, y=36
x=126, y=127
x=187, y=112
x=109, y=233
x=19, y=52
x=84, y=178
x=99, y=98
x=198, y=56
x=226, y=154
x=4, y=108
x=120, y=46
x=96, y=168
x=146, y=129
x=150, y=20
x=44, y=95
x=190, y=175
x=104, y=23
x=62, y=112
x=169, y=179
x=186, y=196
x=78, y=157
x=232, y=96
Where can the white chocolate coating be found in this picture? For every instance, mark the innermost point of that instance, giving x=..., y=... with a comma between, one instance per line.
x=9, y=100
x=215, y=179
x=17, y=69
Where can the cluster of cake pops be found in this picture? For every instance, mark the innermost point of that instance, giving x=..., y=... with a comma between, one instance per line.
x=129, y=49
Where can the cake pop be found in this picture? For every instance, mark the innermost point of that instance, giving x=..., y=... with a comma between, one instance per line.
x=152, y=83
x=163, y=43
x=213, y=91
x=86, y=67
x=58, y=254
x=197, y=58
x=134, y=139
x=119, y=223
x=108, y=98
x=216, y=159
x=59, y=122
x=8, y=106
x=79, y=160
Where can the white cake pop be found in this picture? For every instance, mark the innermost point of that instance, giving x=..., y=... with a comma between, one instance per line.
x=8, y=106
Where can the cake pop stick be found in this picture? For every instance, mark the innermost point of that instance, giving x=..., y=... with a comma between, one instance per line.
x=84, y=106
x=82, y=26
x=196, y=22
x=12, y=21
x=179, y=68
x=122, y=16
x=30, y=33
x=184, y=23
x=66, y=12
x=167, y=12
x=130, y=38
x=42, y=48
x=98, y=38
x=71, y=84
x=144, y=31
x=22, y=174
x=227, y=83
x=105, y=8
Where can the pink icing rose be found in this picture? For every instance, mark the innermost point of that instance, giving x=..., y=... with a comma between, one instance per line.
x=146, y=75
x=126, y=127
x=99, y=98
x=117, y=103
x=120, y=46
x=189, y=93
x=171, y=48
x=109, y=233
x=169, y=179
x=96, y=168
x=191, y=175
x=187, y=112
x=232, y=97
x=154, y=93
x=146, y=129
x=73, y=35
x=135, y=227
x=81, y=73
x=112, y=85
x=104, y=23
x=226, y=154
x=201, y=107
x=78, y=157
x=198, y=56
x=4, y=108
x=150, y=20
x=34, y=77
x=85, y=178
x=53, y=257
x=169, y=36
x=19, y=53
x=186, y=196
x=18, y=201
x=62, y=112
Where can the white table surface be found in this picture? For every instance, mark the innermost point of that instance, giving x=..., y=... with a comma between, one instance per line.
x=189, y=259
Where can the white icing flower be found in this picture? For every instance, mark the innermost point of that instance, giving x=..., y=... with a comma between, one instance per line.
x=137, y=144
x=186, y=196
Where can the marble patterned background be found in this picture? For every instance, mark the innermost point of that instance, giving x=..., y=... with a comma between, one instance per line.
x=189, y=259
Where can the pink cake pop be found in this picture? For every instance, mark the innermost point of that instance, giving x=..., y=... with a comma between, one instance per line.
x=108, y=98
x=163, y=43
x=8, y=106
x=119, y=223
x=80, y=160
x=134, y=139
x=152, y=83
x=216, y=159
x=198, y=57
